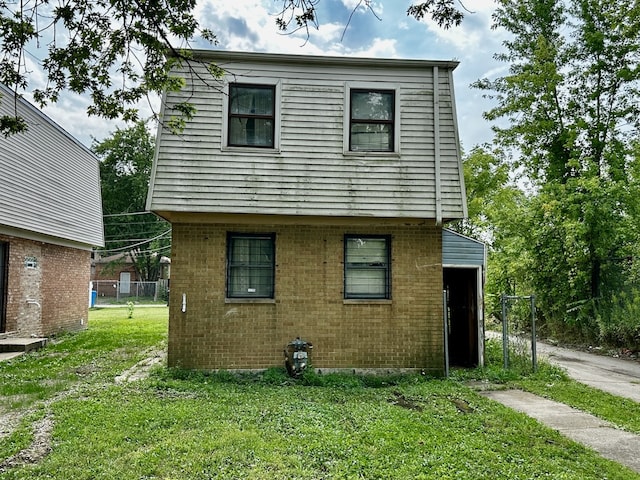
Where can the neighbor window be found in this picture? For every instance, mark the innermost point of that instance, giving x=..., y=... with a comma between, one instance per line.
x=367, y=270
x=371, y=123
x=250, y=265
x=251, y=120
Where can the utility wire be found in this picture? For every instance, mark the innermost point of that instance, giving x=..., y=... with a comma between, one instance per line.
x=127, y=214
x=129, y=247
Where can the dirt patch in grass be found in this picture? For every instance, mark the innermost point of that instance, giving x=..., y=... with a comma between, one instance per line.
x=402, y=401
x=8, y=423
x=141, y=369
x=38, y=449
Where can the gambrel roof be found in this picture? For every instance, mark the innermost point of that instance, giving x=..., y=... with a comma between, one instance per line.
x=49, y=182
x=310, y=171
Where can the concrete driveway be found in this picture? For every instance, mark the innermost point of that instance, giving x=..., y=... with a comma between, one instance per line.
x=619, y=376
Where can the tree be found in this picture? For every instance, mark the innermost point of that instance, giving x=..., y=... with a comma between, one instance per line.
x=486, y=179
x=496, y=207
x=125, y=170
x=570, y=102
x=118, y=52
x=302, y=14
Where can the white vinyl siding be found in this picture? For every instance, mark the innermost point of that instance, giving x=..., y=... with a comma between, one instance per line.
x=310, y=173
x=49, y=182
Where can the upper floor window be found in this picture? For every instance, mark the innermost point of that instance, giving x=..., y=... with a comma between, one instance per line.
x=371, y=122
x=367, y=267
x=250, y=265
x=251, y=115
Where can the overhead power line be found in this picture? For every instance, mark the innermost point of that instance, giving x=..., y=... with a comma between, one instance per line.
x=129, y=247
x=127, y=214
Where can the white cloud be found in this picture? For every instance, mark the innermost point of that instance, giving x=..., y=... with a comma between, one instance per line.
x=472, y=34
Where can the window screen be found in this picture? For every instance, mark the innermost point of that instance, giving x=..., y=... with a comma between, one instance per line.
x=250, y=265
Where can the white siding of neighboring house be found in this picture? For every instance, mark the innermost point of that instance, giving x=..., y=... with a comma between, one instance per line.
x=49, y=182
x=310, y=174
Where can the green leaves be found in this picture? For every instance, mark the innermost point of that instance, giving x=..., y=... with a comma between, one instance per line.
x=443, y=12
x=571, y=111
x=114, y=51
x=125, y=169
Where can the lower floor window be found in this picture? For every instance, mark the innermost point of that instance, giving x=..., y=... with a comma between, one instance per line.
x=367, y=267
x=250, y=265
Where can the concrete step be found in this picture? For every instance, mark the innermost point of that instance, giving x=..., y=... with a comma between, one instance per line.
x=9, y=355
x=17, y=344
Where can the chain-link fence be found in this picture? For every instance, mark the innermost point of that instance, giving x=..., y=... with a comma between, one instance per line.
x=113, y=292
x=519, y=332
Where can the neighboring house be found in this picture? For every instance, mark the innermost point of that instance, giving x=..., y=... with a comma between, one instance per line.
x=116, y=275
x=307, y=197
x=50, y=217
x=113, y=267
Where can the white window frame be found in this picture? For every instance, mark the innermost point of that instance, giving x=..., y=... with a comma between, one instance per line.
x=347, y=117
x=267, y=82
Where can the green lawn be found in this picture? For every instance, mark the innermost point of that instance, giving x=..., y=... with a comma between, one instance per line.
x=188, y=425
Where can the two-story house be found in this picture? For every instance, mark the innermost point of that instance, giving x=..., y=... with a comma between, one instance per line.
x=50, y=218
x=307, y=197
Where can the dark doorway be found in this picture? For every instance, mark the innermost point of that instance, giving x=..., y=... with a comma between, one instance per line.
x=461, y=285
x=4, y=274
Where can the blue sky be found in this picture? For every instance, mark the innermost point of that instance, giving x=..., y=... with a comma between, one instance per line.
x=249, y=25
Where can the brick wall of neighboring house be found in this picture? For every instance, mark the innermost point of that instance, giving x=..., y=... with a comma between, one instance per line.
x=65, y=289
x=405, y=332
x=47, y=288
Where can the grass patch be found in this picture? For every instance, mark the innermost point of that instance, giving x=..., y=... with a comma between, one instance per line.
x=110, y=344
x=215, y=426
x=181, y=424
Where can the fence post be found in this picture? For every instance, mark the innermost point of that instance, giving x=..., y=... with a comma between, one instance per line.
x=505, y=332
x=534, y=344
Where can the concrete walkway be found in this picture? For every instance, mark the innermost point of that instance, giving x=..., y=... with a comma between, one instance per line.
x=9, y=355
x=617, y=445
x=617, y=376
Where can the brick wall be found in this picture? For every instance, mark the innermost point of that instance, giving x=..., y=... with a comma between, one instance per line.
x=405, y=332
x=49, y=296
x=65, y=289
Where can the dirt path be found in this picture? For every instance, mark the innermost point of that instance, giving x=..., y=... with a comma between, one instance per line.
x=141, y=369
x=38, y=449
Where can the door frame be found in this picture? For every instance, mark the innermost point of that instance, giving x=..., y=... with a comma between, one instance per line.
x=479, y=299
x=4, y=281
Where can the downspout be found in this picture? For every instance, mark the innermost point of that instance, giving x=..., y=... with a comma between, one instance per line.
x=436, y=144
x=463, y=189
